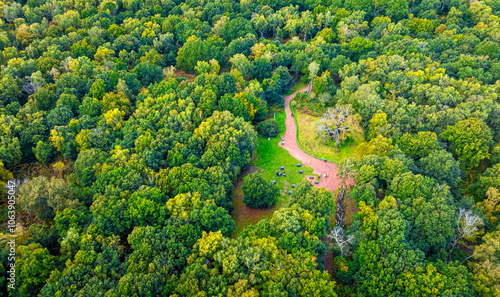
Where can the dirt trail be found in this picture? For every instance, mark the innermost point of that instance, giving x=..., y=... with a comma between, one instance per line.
x=331, y=183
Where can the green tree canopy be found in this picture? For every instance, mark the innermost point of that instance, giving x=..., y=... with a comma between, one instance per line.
x=259, y=193
x=470, y=141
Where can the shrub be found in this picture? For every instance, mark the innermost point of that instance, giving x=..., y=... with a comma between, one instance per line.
x=268, y=128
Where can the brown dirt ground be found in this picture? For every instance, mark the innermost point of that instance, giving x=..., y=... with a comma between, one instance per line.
x=188, y=76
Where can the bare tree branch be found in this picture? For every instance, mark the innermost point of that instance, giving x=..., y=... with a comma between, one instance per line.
x=468, y=225
x=339, y=123
x=342, y=241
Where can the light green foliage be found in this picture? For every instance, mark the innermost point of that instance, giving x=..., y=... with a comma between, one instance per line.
x=318, y=201
x=202, y=67
x=34, y=265
x=242, y=64
x=182, y=204
x=220, y=130
x=470, y=141
x=380, y=126
x=487, y=265
x=5, y=176
x=419, y=145
x=195, y=50
x=10, y=150
x=10, y=89
x=43, y=151
x=242, y=262
x=145, y=206
x=43, y=197
x=421, y=25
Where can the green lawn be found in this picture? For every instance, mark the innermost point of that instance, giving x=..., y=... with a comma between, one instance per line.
x=308, y=139
x=269, y=157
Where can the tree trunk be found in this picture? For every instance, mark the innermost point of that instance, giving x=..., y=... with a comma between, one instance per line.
x=340, y=207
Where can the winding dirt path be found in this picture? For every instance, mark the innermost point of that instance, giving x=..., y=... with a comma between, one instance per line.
x=332, y=182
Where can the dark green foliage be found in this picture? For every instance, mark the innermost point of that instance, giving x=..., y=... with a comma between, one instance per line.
x=59, y=116
x=45, y=236
x=78, y=219
x=279, y=83
x=262, y=69
x=259, y=193
x=418, y=195
x=148, y=73
x=213, y=218
x=167, y=248
x=84, y=166
x=490, y=178
x=268, y=128
x=44, y=99
x=238, y=27
x=487, y=48
x=419, y=145
x=441, y=166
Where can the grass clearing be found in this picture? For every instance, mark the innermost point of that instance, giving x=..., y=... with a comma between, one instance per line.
x=308, y=139
x=269, y=157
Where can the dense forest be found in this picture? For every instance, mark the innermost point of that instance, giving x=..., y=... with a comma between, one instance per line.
x=125, y=125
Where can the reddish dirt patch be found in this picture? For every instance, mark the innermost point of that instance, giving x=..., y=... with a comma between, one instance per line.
x=351, y=209
x=328, y=259
x=188, y=76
